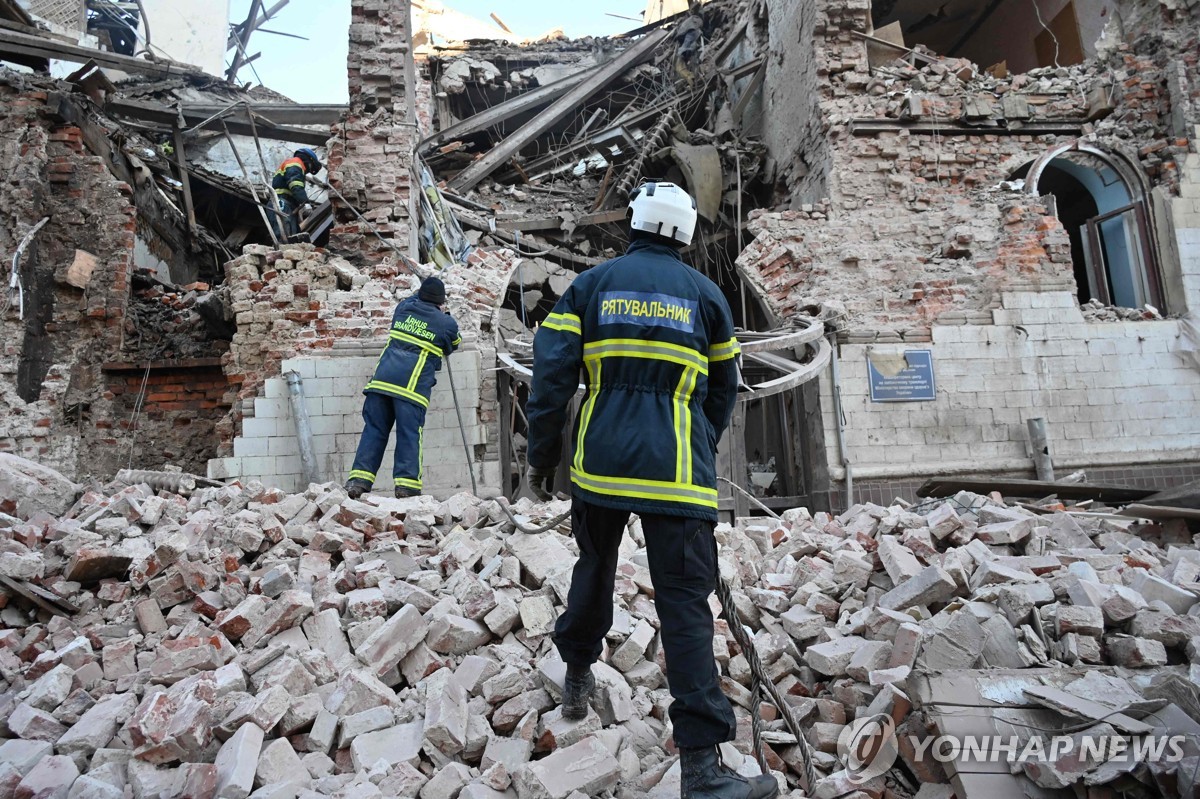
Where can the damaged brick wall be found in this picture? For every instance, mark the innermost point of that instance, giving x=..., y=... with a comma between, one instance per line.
x=58, y=404
x=920, y=238
x=52, y=408
x=370, y=156
x=180, y=408
x=303, y=310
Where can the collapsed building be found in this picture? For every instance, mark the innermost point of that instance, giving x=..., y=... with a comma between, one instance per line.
x=953, y=238
x=959, y=239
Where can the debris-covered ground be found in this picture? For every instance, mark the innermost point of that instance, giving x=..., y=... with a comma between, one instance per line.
x=231, y=639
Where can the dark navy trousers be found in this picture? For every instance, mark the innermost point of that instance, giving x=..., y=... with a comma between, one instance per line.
x=380, y=413
x=682, y=555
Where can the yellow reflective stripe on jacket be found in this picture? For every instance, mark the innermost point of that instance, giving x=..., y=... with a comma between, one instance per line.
x=659, y=490
x=593, y=370
x=566, y=322
x=432, y=349
x=638, y=348
x=683, y=425
x=399, y=391
x=724, y=351
x=416, y=372
x=457, y=340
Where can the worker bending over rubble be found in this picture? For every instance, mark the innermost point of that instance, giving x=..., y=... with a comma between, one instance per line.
x=656, y=338
x=398, y=394
x=288, y=184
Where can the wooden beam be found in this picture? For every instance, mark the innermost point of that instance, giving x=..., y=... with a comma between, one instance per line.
x=237, y=120
x=870, y=127
x=184, y=178
x=1034, y=489
x=500, y=112
x=748, y=94
x=12, y=42
x=742, y=70
x=560, y=108
x=275, y=113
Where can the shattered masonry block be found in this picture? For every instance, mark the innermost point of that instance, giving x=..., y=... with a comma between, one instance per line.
x=51, y=778
x=237, y=762
x=898, y=561
x=456, y=635
x=279, y=763
x=832, y=658
x=931, y=586
x=803, y=624
x=588, y=767
x=395, y=745
x=389, y=644
x=1156, y=589
x=446, y=718
x=1083, y=621
x=1136, y=653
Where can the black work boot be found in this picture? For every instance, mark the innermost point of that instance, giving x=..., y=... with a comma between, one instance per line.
x=356, y=487
x=577, y=690
x=405, y=493
x=706, y=777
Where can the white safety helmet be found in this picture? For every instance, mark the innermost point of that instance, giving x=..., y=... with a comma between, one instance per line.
x=665, y=210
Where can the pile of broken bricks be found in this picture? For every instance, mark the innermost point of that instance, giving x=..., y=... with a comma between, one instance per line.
x=238, y=641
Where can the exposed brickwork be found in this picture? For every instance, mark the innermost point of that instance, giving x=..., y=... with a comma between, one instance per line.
x=51, y=396
x=914, y=226
x=179, y=414
x=922, y=240
x=370, y=157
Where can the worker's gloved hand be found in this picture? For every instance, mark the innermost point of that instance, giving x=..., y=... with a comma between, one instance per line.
x=541, y=482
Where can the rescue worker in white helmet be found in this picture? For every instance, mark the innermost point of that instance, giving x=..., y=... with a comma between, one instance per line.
x=656, y=340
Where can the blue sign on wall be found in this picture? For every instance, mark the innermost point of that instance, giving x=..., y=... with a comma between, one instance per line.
x=913, y=383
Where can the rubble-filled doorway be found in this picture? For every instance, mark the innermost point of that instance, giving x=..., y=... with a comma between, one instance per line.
x=1106, y=216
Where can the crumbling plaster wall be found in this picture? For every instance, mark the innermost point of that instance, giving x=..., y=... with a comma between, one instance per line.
x=917, y=242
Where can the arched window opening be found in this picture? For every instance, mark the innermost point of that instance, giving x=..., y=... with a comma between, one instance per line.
x=1105, y=215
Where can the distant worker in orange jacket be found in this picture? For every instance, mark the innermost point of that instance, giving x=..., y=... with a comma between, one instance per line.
x=288, y=184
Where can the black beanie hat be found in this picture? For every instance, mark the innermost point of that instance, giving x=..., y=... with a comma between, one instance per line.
x=433, y=290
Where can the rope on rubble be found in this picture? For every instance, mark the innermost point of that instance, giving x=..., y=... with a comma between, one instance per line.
x=462, y=429
x=760, y=683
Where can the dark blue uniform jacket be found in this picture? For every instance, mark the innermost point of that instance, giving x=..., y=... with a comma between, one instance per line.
x=421, y=335
x=655, y=338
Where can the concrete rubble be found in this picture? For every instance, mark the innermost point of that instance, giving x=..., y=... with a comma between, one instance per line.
x=245, y=642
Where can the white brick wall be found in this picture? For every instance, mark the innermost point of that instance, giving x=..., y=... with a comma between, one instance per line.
x=268, y=451
x=1112, y=393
